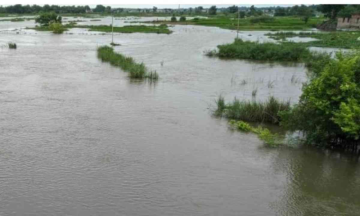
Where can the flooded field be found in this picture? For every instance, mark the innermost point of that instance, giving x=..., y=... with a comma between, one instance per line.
x=78, y=137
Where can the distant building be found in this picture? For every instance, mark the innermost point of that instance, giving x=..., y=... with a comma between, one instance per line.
x=353, y=22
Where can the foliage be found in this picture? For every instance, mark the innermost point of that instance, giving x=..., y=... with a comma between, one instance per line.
x=263, y=51
x=212, y=10
x=57, y=28
x=233, y=9
x=173, y=18
x=329, y=111
x=348, y=11
x=330, y=11
x=252, y=111
x=182, y=19
x=99, y=9
x=46, y=19
x=136, y=70
x=34, y=9
x=270, y=139
x=161, y=29
x=12, y=45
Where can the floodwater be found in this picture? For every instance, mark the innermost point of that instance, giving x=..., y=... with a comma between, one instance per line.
x=79, y=138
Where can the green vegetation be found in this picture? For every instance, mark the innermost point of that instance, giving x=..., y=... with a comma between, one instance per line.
x=57, y=28
x=182, y=19
x=263, y=23
x=12, y=45
x=240, y=49
x=173, y=18
x=46, y=19
x=13, y=20
x=136, y=70
x=339, y=39
x=161, y=29
x=264, y=134
x=252, y=111
x=328, y=112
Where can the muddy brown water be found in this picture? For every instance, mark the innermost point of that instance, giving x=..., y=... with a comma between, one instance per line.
x=79, y=138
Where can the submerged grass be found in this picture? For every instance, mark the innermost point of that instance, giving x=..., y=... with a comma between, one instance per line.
x=128, y=64
x=240, y=49
x=161, y=29
x=252, y=111
x=338, y=39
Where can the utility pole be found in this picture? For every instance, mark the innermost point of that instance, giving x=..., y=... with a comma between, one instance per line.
x=237, y=32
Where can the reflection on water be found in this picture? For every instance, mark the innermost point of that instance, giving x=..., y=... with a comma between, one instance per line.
x=78, y=137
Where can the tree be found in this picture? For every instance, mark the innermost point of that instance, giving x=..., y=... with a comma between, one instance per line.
x=182, y=19
x=233, y=9
x=154, y=9
x=330, y=11
x=212, y=10
x=198, y=10
x=329, y=108
x=46, y=19
x=242, y=14
x=305, y=13
x=280, y=11
x=347, y=11
x=99, y=9
x=57, y=28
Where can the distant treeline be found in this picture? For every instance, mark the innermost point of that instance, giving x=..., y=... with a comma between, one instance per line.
x=33, y=9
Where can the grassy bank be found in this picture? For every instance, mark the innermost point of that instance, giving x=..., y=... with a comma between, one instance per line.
x=339, y=39
x=277, y=23
x=252, y=111
x=128, y=64
x=240, y=49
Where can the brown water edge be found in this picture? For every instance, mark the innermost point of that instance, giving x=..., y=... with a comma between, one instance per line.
x=79, y=138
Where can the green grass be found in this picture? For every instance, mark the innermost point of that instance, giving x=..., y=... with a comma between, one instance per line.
x=240, y=49
x=338, y=39
x=128, y=64
x=276, y=23
x=252, y=111
x=13, y=20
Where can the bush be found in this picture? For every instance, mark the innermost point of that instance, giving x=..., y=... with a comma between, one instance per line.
x=328, y=111
x=173, y=18
x=57, y=28
x=263, y=51
x=182, y=19
x=12, y=45
x=46, y=19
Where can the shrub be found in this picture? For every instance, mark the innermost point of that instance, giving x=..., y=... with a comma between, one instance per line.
x=46, y=19
x=12, y=45
x=173, y=18
x=243, y=126
x=182, y=19
x=57, y=28
x=270, y=139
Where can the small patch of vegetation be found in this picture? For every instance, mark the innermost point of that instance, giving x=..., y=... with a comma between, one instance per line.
x=115, y=44
x=128, y=64
x=46, y=19
x=252, y=111
x=240, y=49
x=13, y=20
x=173, y=19
x=264, y=134
x=12, y=45
x=262, y=19
x=57, y=28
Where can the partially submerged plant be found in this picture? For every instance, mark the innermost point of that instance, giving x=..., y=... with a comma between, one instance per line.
x=12, y=45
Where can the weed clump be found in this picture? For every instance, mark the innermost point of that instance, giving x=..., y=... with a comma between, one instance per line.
x=136, y=70
x=182, y=19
